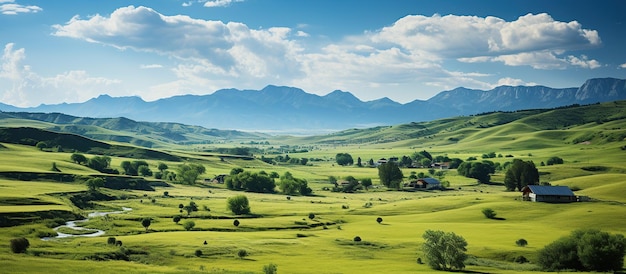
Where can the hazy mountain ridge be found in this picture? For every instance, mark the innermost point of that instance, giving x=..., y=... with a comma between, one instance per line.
x=288, y=108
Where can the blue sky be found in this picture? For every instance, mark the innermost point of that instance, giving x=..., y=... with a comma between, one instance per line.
x=71, y=51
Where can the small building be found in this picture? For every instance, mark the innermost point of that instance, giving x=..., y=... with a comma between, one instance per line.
x=425, y=183
x=548, y=194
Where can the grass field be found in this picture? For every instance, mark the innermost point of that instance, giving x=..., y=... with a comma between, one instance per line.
x=279, y=230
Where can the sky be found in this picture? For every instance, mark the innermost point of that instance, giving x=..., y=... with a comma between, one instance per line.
x=71, y=51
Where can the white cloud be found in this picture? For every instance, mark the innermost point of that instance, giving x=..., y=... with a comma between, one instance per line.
x=20, y=86
x=9, y=7
x=410, y=53
x=151, y=66
x=622, y=66
x=219, y=3
x=508, y=81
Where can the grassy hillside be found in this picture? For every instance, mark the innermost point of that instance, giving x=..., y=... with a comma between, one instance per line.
x=590, y=140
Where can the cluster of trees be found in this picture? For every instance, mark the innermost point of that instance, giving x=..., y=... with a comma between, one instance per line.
x=248, y=181
x=285, y=159
x=352, y=184
x=480, y=171
x=520, y=174
x=134, y=168
x=99, y=163
x=291, y=185
x=584, y=250
x=189, y=173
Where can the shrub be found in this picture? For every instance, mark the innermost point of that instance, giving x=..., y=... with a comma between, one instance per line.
x=520, y=259
x=189, y=225
x=311, y=216
x=489, y=213
x=242, y=253
x=19, y=245
x=176, y=219
x=357, y=239
x=198, y=253
x=584, y=250
x=554, y=161
x=146, y=223
x=111, y=240
x=239, y=204
x=379, y=220
x=236, y=223
x=270, y=269
x=521, y=242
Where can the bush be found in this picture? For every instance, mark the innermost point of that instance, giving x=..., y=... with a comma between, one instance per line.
x=357, y=239
x=236, y=223
x=311, y=216
x=189, y=225
x=489, y=213
x=520, y=259
x=198, y=253
x=270, y=269
x=19, y=245
x=584, y=250
x=176, y=219
x=554, y=161
x=521, y=242
x=238, y=204
x=379, y=220
x=242, y=253
x=111, y=241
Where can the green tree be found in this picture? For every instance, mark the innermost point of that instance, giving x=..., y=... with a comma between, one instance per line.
x=99, y=163
x=41, y=145
x=478, y=170
x=238, y=204
x=290, y=185
x=242, y=253
x=444, y=251
x=189, y=173
x=366, y=182
x=144, y=171
x=390, y=175
x=489, y=213
x=176, y=219
x=189, y=225
x=94, y=184
x=78, y=158
x=521, y=242
x=584, y=250
x=344, y=159
x=146, y=222
x=162, y=167
x=520, y=174
x=236, y=171
x=19, y=245
x=554, y=161
x=270, y=269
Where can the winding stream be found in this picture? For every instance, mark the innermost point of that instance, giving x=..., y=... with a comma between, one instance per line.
x=73, y=225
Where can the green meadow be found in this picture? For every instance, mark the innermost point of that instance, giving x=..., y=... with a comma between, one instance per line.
x=279, y=231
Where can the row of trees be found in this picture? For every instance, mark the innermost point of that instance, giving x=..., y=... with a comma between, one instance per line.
x=262, y=182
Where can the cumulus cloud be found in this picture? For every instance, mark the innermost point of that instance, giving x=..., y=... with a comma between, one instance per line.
x=20, y=86
x=9, y=7
x=219, y=3
x=508, y=81
x=151, y=66
x=623, y=66
x=410, y=51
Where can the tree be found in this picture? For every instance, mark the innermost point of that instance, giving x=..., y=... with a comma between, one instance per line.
x=270, y=269
x=358, y=162
x=146, y=222
x=390, y=175
x=78, y=158
x=238, y=204
x=379, y=220
x=236, y=171
x=188, y=173
x=584, y=250
x=198, y=253
x=190, y=207
x=311, y=216
x=54, y=167
x=236, y=223
x=144, y=171
x=290, y=185
x=489, y=213
x=189, y=225
x=94, y=184
x=162, y=167
x=242, y=253
x=41, y=145
x=366, y=182
x=19, y=245
x=521, y=242
x=99, y=163
x=520, y=174
x=111, y=241
x=176, y=219
x=344, y=159
x=554, y=161
x=444, y=250
x=478, y=170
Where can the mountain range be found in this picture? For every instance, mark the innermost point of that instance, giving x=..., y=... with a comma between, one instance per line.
x=280, y=108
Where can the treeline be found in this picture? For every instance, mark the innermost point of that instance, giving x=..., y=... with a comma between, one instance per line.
x=262, y=182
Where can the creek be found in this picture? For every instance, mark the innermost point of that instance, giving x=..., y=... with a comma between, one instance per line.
x=74, y=225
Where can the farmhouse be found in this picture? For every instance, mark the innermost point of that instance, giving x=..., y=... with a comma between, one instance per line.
x=427, y=183
x=550, y=194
